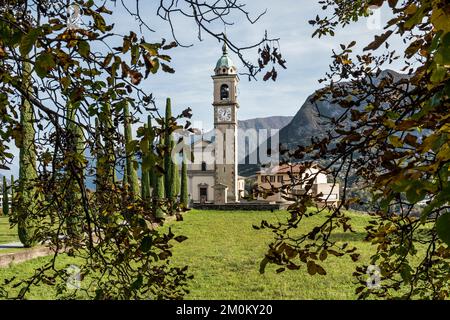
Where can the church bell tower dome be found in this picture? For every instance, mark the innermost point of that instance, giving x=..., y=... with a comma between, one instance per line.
x=225, y=65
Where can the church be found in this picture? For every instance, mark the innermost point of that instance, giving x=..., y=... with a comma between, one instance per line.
x=213, y=175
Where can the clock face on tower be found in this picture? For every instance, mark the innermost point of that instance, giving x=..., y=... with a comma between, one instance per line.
x=224, y=114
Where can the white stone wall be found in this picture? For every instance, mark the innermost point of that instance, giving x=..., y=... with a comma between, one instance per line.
x=321, y=178
x=193, y=186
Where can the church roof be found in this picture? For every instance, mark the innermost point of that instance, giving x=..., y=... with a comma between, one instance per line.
x=225, y=60
x=289, y=168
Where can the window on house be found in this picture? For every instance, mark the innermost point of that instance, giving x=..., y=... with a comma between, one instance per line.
x=203, y=166
x=272, y=178
x=280, y=179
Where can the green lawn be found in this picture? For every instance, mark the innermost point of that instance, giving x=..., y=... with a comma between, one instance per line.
x=223, y=252
x=6, y=233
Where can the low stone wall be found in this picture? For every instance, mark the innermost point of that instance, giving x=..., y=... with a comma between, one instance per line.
x=27, y=254
x=240, y=206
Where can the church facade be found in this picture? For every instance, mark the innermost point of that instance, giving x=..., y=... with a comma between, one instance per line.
x=213, y=175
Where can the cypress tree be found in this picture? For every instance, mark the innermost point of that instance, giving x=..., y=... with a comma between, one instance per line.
x=125, y=177
x=151, y=171
x=175, y=175
x=27, y=199
x=98, y=152
x=5, y=204
x=168, y=141
x=152, y=179
x=145, y=182
x=158, y=195
x=158, y=190
x=184, y=197
x=110, y=157
x=75, y=173
x=131, y=174
x=105, y=168
x=12, y=208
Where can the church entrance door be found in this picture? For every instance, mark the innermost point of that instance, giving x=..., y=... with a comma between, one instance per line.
x=203, y=194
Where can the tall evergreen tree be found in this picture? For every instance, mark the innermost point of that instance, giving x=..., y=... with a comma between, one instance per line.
x=27, y=199
x=145, y=183
x=75, y=172
x=106, y=158
x=168, y=164
x=12, y=182
x=153, y=180
x=175, y=175
x=151, y=171
x=125, y=177
x=159, y=188
x=5, y=202
x=158, y=195
x=110, y=155
x=131, y=173
x=98, y=153
x=184, y=197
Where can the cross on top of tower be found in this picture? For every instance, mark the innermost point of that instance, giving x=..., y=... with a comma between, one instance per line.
x=225, y=65
x=225, y=48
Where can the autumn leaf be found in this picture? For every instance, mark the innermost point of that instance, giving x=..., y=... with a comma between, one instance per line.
x=379, y=40
x=166, y=68
x=135, y=76
x=44, y=63
x=180, y=238
x=28, y=41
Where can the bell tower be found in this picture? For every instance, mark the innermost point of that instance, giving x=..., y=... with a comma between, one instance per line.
x=225, y=124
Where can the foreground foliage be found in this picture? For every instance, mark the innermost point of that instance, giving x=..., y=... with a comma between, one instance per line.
x=393, y=135
x=69, y=83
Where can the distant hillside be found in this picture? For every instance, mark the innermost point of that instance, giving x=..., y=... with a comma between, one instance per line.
x=275, y=122
x=308, y=123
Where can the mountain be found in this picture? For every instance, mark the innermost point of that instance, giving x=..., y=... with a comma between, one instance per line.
x=275, y=122
x=308, y=123
x=311, y=120
x=268, y=123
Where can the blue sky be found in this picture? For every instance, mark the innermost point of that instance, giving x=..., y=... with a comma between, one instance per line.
x=307, y=58
x=191, y=85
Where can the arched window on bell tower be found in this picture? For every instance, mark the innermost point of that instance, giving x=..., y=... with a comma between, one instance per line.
x=224, y=92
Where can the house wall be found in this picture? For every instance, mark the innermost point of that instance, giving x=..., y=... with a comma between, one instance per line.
x=321, y=178
x=277, y=180
x=202, y=152
x=330, y=191
x=241, y=187
x=197, y=179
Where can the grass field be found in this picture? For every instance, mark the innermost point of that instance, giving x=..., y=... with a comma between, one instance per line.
x=223, y=253
x=6, y=233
